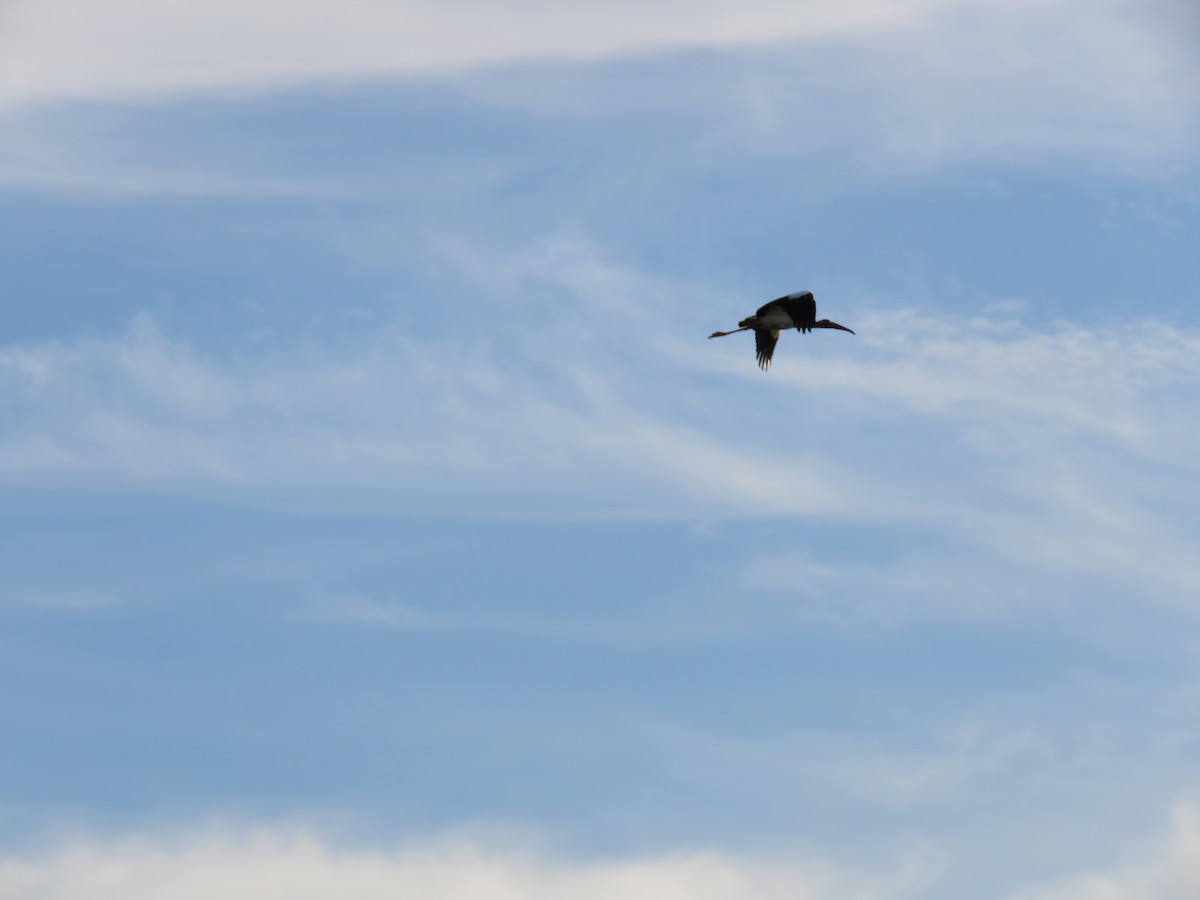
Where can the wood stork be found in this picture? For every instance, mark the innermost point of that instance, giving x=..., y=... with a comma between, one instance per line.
x=798, y=310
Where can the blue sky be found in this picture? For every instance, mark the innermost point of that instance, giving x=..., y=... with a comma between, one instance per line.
x=378, y=521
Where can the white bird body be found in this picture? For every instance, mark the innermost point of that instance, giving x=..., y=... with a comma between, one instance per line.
x=798, y=310
x=773, y=318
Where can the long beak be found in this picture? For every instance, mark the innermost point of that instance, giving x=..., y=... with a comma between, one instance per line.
x=825, y=323
x=735, y=331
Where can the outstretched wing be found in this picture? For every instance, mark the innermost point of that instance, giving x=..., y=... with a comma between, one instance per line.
x=764, y=344
x=797, y=310
x=802, y=307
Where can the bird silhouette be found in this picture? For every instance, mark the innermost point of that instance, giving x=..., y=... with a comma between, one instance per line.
x=798, y=310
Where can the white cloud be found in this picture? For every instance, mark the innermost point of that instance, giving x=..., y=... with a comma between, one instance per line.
x=299, y=864
x=1164, y=870
x=920, y=82
x=72, y=48
x=266, y=865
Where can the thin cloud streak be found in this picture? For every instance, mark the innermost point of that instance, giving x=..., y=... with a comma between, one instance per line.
x=393, y=416
x=375, y=415
x=1020, y=440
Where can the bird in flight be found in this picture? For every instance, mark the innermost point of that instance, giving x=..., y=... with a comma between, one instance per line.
x=798, y=310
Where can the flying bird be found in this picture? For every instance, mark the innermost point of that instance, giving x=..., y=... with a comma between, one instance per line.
x=798, y=310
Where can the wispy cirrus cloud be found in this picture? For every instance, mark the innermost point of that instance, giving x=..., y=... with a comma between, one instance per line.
x=546, y=383
x=1052, y=448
